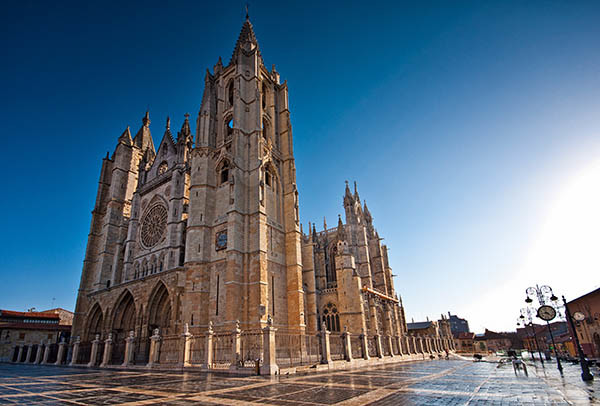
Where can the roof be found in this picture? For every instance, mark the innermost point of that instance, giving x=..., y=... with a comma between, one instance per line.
x=582, y=296
x=37, y=315
x=418, y=325
x=35, y=326
x=466, y=336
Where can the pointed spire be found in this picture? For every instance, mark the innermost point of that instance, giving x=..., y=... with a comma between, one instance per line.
x=168, y=126
x=125, y=138
x=143, y=138
x=185, y=129
x=324, y=223
x=340, y=229
x=246, y=42
x=348, y=198
x=314, y=233
x=356, y=197
x=367, y=213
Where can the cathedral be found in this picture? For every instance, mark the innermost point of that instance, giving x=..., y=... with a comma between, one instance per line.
x=203, y=232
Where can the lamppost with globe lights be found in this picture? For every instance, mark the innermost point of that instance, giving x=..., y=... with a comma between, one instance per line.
x=546, y=311
x=526, y=319
x=586, y=375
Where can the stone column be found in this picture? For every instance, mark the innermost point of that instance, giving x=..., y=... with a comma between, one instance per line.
x=378, y=345
x=208, y=348
x=236, y=347
x=347, y=344
x=364, y=342
x=407, y=345
x=94, y=351
x=390, y=345
x=186, y=340
x=154, y=348
x=428, y=347
x=61, y=351
x=106, y=357
x=18, y=350
x=28, y=356
x=325, y=348
x=399, y=345
x=46, y=353
x=269, y=366
x=129, y=343
x=38, y=355
x=75, y=352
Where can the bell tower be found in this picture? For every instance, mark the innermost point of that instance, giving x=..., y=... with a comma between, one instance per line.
x=243, y=243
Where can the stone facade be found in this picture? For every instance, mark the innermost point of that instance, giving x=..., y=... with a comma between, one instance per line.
x=23, y=335
x=207, y=233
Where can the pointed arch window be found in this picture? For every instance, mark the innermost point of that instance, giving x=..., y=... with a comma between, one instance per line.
x=230, y=93
x=223, y=172
x=265, y=129
x=331, y=317
x=229, y=130
x=264, y=96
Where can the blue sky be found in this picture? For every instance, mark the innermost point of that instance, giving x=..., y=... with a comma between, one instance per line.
x=472, y=129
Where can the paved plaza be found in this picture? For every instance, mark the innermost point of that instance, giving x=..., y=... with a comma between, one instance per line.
x=454, y=382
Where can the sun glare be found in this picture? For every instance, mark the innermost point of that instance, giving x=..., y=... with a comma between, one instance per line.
x=567, y=250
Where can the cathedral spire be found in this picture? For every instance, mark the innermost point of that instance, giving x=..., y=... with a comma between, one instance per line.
x=125, y=138
x=143, y=138
x=367, y=213
x=246, y=43
x=185, y=129
x=356, y=197
x=340, y=229
x=348, y=198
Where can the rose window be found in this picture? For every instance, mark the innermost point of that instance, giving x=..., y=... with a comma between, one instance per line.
x=154, y=225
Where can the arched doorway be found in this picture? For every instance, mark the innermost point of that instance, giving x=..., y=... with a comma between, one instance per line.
x=159, y=310
x=94, y=325
x=159, y=317
x=123, y=323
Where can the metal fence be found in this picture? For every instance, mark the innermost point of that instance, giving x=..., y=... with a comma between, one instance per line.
x=372, y=346
x=336, y=346
x=222, y=350
x=169, y=350
x=356, y=345
x=251, y=348
x=296, y=349
x=197, y=350
x=385, y=345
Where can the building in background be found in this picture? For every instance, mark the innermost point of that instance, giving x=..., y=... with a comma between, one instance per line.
x=457, y=325
x=537, y=338
x=438, y=329
x=465, y=342
x=494, y=341
x=588, y=329
x=22, y=333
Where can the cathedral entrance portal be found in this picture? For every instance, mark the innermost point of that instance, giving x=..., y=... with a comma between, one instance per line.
x=123, y=323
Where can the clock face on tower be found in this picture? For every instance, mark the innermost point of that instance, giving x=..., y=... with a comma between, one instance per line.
x=546, y=313
x=221, y=240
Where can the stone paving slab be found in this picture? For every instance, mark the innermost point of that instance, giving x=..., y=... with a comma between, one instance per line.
x=439, y=382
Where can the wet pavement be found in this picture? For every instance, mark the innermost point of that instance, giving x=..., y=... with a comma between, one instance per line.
x=454, y=382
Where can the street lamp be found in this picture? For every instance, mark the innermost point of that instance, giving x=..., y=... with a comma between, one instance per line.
x=546, y=311
x=585, y=369
x=527, y=320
